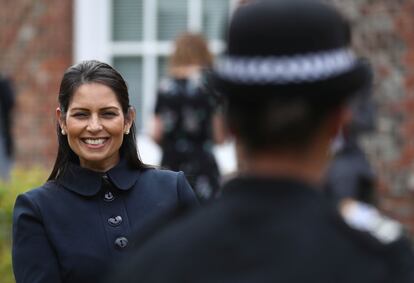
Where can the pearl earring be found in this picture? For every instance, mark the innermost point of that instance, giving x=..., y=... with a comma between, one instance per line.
x=63, y=132
x=127, y=132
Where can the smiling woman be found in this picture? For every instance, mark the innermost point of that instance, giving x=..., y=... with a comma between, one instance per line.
x=99, y=192
x=95, y=126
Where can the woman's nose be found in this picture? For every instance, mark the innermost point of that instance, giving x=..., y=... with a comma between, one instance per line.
x=94, y=124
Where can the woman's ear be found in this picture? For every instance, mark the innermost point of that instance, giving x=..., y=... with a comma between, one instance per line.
x=60, y=119
x=129, y=119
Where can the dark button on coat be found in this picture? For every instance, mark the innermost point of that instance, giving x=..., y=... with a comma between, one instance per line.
x=61, y=231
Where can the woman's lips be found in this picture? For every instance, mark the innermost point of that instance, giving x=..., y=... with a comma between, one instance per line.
x=95, y=142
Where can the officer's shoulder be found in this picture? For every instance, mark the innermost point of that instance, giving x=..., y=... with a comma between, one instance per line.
x=369, y=222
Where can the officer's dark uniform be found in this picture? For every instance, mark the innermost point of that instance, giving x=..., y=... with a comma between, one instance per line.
x=272, y=230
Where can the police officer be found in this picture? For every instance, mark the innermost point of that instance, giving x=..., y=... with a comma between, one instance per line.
x=286, y=76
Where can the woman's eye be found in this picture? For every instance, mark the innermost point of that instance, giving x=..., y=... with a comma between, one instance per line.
x=109, y=114
x=79, y=114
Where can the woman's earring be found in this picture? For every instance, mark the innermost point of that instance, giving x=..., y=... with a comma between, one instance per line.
x=127, y=132
x=63, y=132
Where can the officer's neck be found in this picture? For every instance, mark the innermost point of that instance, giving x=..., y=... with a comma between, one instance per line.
x=307, y=166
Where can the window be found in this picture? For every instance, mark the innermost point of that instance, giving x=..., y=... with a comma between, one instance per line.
x=215, y=17
x=127, y=18
x=131, y=68
x=171, y=18
x=136, y=37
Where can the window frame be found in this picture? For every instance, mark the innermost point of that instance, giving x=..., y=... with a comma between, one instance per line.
x=93, y=23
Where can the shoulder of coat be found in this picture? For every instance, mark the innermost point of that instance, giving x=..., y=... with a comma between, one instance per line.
x=159, y=174
x=366, y=218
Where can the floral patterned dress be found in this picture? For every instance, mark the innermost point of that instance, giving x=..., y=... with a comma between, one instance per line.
x=186, y=110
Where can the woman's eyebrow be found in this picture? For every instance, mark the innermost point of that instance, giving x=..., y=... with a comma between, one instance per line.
x=79, y=109
x=110, y=108
x=103, y=108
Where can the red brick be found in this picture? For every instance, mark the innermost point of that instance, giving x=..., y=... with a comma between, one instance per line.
x=36, y=64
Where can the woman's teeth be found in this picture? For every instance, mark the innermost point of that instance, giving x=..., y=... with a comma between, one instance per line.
x=94, y=141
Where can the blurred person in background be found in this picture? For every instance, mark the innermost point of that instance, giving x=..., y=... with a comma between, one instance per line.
x=243, y=2
x=286, y=76
x=187, y=122
x=350, y=175
x=6, y=138
x=75, y=226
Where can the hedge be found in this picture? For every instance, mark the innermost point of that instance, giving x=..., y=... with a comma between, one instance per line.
x=20, y=181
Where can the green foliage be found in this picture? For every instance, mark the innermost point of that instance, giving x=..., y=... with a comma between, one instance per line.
x=21, y=180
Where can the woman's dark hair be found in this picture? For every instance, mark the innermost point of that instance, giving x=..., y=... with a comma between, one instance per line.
x=93, y=72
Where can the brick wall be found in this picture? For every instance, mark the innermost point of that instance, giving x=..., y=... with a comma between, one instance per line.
x=35, y=48
x=384, y=33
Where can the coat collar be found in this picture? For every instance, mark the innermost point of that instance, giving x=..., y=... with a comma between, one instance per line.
x=269, y=187
x=88, y=183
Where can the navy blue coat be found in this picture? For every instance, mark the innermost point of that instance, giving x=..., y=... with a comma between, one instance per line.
x=73, y=229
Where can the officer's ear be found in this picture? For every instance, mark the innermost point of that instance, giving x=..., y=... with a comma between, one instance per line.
x=233, y=131
x=338, y=119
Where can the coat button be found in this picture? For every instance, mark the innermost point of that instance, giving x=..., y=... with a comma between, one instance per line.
x=109, y=196
x=115, y=221
x=121, y=242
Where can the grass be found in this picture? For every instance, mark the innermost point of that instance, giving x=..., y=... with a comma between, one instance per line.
x=21, y=180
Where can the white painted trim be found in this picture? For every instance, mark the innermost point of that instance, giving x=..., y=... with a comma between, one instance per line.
x=148, y=49
x=150, y=20
x=149, y=86
x=126, y=48
x=91, y=30
x=109, y=30
x=76, y=18
x=195, y=15
x=132, y=48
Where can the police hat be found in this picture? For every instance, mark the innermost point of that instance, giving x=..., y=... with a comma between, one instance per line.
x=289, y=47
